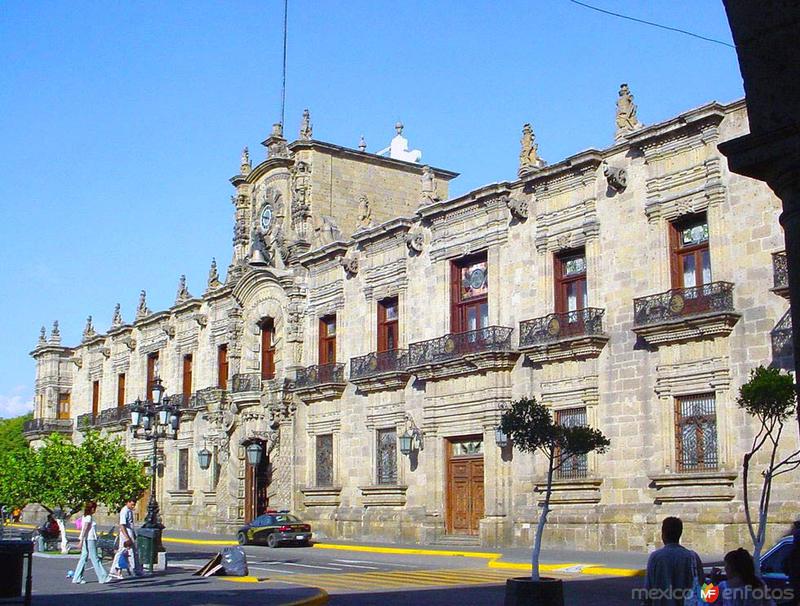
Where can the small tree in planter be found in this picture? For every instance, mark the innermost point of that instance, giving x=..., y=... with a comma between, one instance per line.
x=768, y=396
x=531, y=428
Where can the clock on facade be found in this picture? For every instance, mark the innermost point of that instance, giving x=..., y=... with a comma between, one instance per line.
x=266, y=217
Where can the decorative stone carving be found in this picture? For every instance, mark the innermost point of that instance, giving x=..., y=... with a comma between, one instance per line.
x=116, y=320
x=43, y=336
x=244, y=165
x=168, y=329
x=129, y=342
x=142, y=311
x=617, y=178
x=301, y=196
x=518, y=207
x=201, y=319
x=294, y=321
x=563, y=241
x=213, y=275
x=627, y=122
x=281, y=248
x=77, y=361
x=55, y=334
x=183, y=293
x=105, y=351
x=364, y=212
x=276, y=144
x=350, y=264
x=428, y=186
x=306, y=129
x=326, y=231
x=415, y=240
x=529, y=159
x=362, y=144
x=88, y=330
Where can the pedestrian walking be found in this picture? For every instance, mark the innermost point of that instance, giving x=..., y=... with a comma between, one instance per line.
x=126, y=542
x=87, y=542
x=674, y=573
x=742, y=587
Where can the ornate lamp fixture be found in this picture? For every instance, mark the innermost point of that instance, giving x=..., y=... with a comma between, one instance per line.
x=411, y=440
x=500, y=437
x=255, y=452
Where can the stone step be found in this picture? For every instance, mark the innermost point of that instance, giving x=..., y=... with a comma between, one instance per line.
x=468, y=540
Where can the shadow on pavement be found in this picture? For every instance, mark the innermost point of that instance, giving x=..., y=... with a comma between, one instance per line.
x=216, y=596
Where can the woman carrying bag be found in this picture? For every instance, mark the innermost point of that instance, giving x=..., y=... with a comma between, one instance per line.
x=88, y=546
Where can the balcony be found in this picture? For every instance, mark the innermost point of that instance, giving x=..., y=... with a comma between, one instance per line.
x=684, y=314
x=782, y=347
x=322, y=382
x=380, y=371
x=44, y=427
x=246, y=388
x=474, y=351
x=780, y=274
x=572, y=335
x=199, y=401
x=86, y=422
x=114, y=418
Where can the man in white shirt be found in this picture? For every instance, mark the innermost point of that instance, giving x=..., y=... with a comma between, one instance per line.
x=126, y=540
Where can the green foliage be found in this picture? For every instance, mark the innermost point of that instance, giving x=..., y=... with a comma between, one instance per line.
x=14, y=461
x=11, y=437
x=63, y=475
x=769, y=394
x=530, y=426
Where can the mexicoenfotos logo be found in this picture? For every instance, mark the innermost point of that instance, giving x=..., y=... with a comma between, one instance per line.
x=709, y=593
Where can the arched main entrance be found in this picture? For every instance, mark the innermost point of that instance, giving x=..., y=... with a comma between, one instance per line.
x=257, y=479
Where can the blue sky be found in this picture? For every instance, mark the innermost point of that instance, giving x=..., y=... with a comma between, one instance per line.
x=121, y=123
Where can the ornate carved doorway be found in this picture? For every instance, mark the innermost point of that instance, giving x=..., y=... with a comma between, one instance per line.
x=257, y=479
x=464, y=485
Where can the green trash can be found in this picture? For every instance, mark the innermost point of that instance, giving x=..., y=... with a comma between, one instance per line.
x=145, y=540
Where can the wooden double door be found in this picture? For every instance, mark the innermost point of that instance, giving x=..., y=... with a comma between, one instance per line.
x=465, y=505
x=257, y=479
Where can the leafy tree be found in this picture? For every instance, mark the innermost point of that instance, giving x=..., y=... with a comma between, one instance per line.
x=769, y=397
x=11, y=436
x=531, y=428
x=14, y=458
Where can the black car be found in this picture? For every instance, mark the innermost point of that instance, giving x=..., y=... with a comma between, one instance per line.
x=274, y=528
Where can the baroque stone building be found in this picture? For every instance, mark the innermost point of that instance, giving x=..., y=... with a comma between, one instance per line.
x=631, y=288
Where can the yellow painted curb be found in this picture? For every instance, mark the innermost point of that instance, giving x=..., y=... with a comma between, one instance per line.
x=318, y=600
x=409, y=551
x=615, y=572
x=197, y=541
x=247, y=579
x=527, y=567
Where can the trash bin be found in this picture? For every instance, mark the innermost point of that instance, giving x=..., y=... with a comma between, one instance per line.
x=12, y=555
x=145, y=539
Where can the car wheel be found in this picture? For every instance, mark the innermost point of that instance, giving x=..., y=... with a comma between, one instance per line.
x=272, y=540
x=241, y=537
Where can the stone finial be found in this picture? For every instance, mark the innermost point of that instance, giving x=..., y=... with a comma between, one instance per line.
x=213, y=275
x=306, y=129
x=244, y=165
x=428, y=185
x=183, y=293
x=117, y=319
x=362, y=144
x=88, y=330
x=627, y=122
x=529, y=159
x=364, y=212
x=275, y=143
x=55, y=334
x=43, y=336
x=142, y=311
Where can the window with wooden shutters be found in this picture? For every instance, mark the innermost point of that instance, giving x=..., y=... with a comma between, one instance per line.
x=222, y=366
x=388, y=324
x=696, y=433
x=327, y=340
x=570, y=279
x=95, y=397
x=152, y=373
x=183, y=469
x=386, y=456
x=469, y=290
x=691, y=261
x=324, y=456
x=267, y=326
x=186, y=384
x=572, y=466
x=121, y=390
x=62, y=411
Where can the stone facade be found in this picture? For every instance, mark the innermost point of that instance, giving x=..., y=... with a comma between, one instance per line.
x=321, y=266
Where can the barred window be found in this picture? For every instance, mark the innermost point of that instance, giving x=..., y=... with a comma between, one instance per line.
x=183, y=469
x=696, y=433
x=325, y=460
x=387, y=456
x=571, y=466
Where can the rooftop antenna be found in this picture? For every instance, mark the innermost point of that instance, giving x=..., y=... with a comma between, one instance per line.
x=283, y=85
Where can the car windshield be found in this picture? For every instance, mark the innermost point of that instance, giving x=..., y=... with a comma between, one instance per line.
x=284, y=518
x=776, y=561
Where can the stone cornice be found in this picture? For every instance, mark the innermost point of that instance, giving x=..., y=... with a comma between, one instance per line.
x=494, y=190
x=256, y=280
x=56, y=349
x=153, y=318
x=584, y=161
x=186, y=306
x=389, y=229
x=324, y=253
x=261, y=169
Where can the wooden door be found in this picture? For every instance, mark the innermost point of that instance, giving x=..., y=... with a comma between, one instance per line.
x=465, y=505
x=140, y=511
x=257, y=479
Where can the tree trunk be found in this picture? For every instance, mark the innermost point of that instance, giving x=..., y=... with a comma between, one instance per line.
x=537, y=543
x=63, y=532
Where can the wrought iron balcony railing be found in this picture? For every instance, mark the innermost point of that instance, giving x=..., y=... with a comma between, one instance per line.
x=683, y=302
x=249, y=381
x=377, y=363
x=780, y=270
x=782, y=347
x=47, y=426
x=86, y=421
x=456, y=345
x=555, y=327
x=319, y=375
x=113, y=416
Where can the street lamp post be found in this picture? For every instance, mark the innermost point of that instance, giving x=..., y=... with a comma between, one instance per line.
x=154, y=420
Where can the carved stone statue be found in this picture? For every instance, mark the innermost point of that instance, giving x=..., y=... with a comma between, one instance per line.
x=142, y=311
x=306, y=129
x=88, y=330
x=117, y=319
x=245, y=166
x=183, y=293
x=42, y=336
x=627, y=122
x=616, y=178
x=350, y=264
x=362, y=144
x=428, y=185
x=529, y=151
x=326, y=231
x=364, y=212
x=518, y=207
x=213, y=275
x=415, y=240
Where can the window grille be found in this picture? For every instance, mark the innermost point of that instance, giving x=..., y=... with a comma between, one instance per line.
x=571, y=466
x=325, y=460
x=696, y=433
x=387, y=456
x=183, y=469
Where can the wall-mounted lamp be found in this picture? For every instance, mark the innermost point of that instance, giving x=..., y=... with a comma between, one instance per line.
x=500, y=437
x=411, y=440
x=204, y=458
